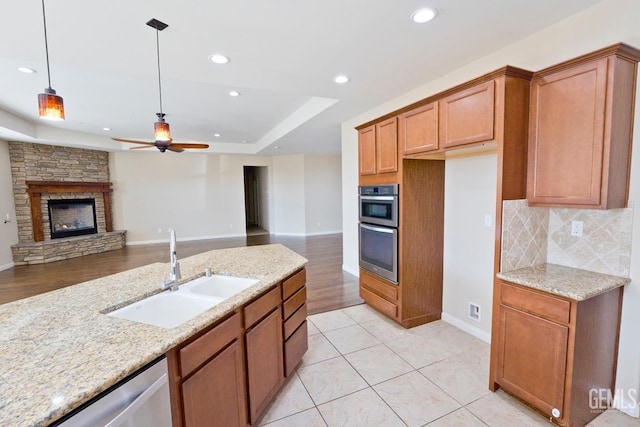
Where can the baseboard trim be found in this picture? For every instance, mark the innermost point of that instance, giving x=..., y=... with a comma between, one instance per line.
x=470, y=329
x=317, y=233
x=184, y=239
x=351, y=270
x=627, y=405
x=7, y=266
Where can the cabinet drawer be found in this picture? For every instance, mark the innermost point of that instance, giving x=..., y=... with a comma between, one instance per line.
x=379, y=303
x=379, y=287
x=293, y=283
x=294, y=348
x=547, y=306
x=261, y=307
x=198, y=351
x=295, y=302
x=295, y=320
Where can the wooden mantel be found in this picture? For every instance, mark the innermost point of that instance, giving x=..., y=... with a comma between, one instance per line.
x=36, y=188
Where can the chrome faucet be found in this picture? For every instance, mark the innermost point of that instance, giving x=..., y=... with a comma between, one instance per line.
x=174, y=272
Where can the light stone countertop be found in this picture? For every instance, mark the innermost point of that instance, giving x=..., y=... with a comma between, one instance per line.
x=564, y=281
x=59, y=349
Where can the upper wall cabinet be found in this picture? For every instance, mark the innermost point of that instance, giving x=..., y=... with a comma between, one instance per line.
x=378, y=152
x=419, y=129
x=580, y=129
x=467, y=116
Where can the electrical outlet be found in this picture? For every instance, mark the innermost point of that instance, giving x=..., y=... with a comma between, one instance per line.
x=159, y=230
x=474, y=311
x=576, y=228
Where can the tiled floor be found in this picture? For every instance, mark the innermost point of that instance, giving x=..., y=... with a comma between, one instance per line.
x=364, y=370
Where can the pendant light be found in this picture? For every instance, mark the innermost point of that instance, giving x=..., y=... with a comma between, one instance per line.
x=161, y=129
x=50, y=105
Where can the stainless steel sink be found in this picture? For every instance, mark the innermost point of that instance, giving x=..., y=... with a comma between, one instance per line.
x=172, y=308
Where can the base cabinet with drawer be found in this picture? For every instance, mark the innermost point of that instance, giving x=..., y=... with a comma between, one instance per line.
x=227, y=374
x=552, y=352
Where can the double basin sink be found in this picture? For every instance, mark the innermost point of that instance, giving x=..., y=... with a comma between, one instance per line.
x=169, y=309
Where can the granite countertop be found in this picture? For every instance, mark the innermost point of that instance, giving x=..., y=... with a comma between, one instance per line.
x=564, y=281
x=59, y=349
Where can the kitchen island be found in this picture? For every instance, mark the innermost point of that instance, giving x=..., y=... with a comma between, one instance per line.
x=60, y=349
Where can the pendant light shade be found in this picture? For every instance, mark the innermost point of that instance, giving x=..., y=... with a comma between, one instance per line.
x=161, y=129
x=50, y=105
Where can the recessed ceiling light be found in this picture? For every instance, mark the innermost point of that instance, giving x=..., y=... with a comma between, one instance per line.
x=421, y=16
x=234, y=93
x=219, y=59
x=27, y=70
x=341, y=79
x=217, y=135
x=245, y=142
x=106, y=129
x=277, y=147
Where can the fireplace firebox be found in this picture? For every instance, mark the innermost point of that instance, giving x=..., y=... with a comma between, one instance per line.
x=72, y=217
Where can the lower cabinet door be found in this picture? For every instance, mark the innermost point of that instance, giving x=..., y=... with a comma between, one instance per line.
x=532, y=358
x=215, y=394
x=265, y=370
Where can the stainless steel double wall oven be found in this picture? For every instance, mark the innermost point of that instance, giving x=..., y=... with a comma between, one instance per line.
x=378, y=230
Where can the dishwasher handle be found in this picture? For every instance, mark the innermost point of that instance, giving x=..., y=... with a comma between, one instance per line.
x=138, y=401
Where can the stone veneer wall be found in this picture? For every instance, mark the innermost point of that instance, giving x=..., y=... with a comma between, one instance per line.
x=533, y=236
x=40, y=162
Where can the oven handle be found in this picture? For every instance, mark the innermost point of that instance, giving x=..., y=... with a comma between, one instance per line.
x=385, y=198
x=378, y=229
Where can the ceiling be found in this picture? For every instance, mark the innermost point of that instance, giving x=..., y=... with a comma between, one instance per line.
x=284, y=55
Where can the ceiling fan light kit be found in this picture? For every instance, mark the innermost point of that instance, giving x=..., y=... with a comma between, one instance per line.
x=50, y=105
x=161, y=130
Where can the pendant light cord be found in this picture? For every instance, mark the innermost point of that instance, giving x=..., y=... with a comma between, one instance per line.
x=46, y=44
x=159, y=79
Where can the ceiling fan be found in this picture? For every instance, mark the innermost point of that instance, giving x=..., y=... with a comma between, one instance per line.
x=162, y=133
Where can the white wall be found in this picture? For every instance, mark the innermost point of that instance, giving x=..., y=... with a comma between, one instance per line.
x=322, y=182
x=470, y=194
x=9, y=230
x=288, y=195
x=605, y=23
x=201, y=196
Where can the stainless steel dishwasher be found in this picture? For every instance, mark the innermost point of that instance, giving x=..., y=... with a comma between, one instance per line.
x=140, y=400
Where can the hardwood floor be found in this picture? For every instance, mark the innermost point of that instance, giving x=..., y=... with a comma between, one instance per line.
x=328, y=286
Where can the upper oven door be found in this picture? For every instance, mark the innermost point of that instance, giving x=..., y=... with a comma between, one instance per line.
x=380, y=210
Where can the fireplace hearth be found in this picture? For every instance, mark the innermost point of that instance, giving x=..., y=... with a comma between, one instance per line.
x=72, y=217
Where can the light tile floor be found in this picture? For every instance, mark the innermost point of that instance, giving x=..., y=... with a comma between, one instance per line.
x=362, y=369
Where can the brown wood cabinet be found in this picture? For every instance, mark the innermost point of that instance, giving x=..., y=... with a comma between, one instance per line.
x=207, y=377
x=581, y=122
x=378, y=151
x=215, y=394
x=294, y=313
x=228, y=373
x=419, y=129
x=493, y=107
x=551, y=350
x=265, y=370
x=467, y=116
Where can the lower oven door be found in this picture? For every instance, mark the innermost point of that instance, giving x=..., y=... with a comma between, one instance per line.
x=379, y=251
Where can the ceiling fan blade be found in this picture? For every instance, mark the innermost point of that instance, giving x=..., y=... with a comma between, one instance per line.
x=142, y=146
x=189, y=145
x=133, y=141
x=174, y=149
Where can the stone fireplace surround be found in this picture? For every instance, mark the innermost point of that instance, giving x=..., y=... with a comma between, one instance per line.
x=41, y=172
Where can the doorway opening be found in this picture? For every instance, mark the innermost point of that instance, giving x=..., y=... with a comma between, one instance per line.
x=256, y=200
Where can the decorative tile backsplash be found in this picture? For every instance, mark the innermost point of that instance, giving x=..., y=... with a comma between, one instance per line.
x=535, y=235
x=524, y=235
